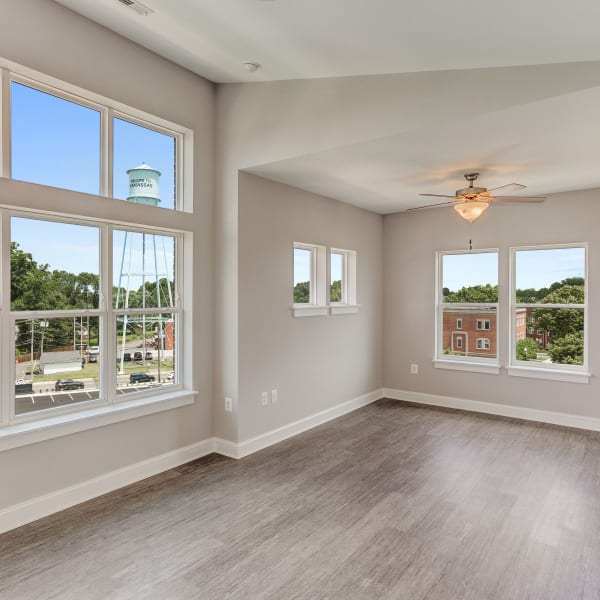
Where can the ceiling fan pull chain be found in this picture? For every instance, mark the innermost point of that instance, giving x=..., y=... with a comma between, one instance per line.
x=470, y=244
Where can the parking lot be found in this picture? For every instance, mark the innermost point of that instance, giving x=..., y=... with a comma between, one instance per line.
x=34, y=402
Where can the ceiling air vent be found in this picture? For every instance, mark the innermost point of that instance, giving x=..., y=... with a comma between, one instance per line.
x=140, y=9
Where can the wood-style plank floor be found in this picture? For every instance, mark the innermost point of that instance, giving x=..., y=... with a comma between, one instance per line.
x=391, y=502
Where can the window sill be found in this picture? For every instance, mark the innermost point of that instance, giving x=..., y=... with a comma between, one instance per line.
x=31, y=432
x=310, y=311
x=550, y=374
x=343, y=309
x=477, y=367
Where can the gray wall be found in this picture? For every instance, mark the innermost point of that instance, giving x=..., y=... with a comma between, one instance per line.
x=410, y=243
x=45, y=36
x=315, y=362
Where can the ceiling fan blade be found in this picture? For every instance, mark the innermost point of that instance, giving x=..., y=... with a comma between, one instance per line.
x=438, y=196
x=511, y=187
x=524, y=199
x=434, y=205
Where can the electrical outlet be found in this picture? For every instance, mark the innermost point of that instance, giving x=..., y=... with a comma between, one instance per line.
x=228, y=404
x=414, y=369
x=274, y=396
x=264, y=399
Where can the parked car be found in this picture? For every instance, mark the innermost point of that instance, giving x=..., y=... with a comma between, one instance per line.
x=126, y=357
x=141, y=378
x=68, y=384
x=92, y=358
x=171, y=376
x=138, y=355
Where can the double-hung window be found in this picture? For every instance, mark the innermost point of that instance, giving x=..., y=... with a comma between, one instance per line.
x=467, y=306
x=92, y=296
x=549, y=312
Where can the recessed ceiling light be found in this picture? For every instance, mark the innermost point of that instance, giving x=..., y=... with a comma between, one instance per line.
x=251, y=66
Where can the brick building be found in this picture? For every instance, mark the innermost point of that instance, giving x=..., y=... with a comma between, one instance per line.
x=472, y=331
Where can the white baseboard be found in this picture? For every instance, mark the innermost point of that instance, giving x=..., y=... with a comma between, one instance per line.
x=42, y=506
x=491, y=408
x=226, y=448
x=264, y=440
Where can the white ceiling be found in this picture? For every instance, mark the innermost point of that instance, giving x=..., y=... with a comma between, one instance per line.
x=551, y=145
x=303, y=39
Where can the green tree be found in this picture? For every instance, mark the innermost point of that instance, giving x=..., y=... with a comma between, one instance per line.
x=527, y=349
x=475, y=293
x=302, y=292
x=568, y=350
x=335, y=291
x=559, y=322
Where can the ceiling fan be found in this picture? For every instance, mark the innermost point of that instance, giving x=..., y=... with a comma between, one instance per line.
x=470, y=202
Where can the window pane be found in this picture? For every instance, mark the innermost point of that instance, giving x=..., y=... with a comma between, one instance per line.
x=143, y=270
x=550, y=335
x=476, y=336
x=136, y=146
x=54, y=142
x=52, y=367
x=54, y=266
x=336, y=289
x=470, y=277
x=550, y=276
x=302, y=275
x=145, y=351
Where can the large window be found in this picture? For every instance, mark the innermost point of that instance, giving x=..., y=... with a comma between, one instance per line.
x=91, y=302
x=467, y=306
x=60, y=139
x=549, y=309
x=61, y=324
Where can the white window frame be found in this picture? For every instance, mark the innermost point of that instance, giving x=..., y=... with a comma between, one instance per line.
x=549, y=371
x=349, y=302
x=480, y=364
x=108, y=110
x=317, y=306
x=459, y=342
x=36, y=201
x=459, y=323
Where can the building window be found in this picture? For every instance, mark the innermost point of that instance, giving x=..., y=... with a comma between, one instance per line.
x=94, y=305
x=467, y=299
x=483, y=344
x=549, y=309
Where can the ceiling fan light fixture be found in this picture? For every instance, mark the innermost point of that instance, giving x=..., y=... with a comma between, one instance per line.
x=471, y=209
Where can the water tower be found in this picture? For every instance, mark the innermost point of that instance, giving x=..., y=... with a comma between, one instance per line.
x=144, y=259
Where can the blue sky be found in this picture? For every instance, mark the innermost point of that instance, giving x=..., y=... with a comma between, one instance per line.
x=57, y=143
x=534, y=268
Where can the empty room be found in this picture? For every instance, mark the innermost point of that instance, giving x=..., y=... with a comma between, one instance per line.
x=297, y=300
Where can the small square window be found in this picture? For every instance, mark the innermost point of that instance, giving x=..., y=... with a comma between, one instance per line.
x=483, y=324
x=483, y=344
